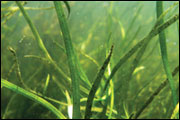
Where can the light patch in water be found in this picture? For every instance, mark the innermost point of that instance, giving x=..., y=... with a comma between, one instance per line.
x=20, y=41
x=138, y=69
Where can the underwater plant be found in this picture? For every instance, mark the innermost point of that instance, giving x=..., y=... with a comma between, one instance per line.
x=76, y=71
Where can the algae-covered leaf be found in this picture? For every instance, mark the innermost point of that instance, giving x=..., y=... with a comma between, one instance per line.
x=96, y=85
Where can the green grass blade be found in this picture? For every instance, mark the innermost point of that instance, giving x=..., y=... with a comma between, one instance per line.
x=33, y=97
x=68, y=7
x=164, y=55
x=72, y=60
x=178, y=27
x=95, y=86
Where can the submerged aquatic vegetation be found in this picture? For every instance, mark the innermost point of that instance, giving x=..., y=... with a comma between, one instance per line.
x=162, y=40
x=32, y=96
x=72, y=59
x=62, y=69
x=96, y=85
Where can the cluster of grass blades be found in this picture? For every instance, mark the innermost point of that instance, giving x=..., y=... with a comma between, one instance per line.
x=101, y=92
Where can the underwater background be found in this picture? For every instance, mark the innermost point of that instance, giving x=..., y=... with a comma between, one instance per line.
x=94, y=27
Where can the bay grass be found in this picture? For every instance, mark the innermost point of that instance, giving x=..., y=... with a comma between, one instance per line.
x=128, y=31
x=77, y=73
x=39, y=41
x=83, y=75
x=17, y=68
x=164, y=55
x=175, y=114
x=68, y=7
x=46, y=84
x=110, y=93
x=72, y=59
x=155, y=93
x=144, y=41
x=96, y=85
x=18, y=73
x=33, y=97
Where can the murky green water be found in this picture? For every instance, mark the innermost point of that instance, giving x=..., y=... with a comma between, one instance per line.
x=94, y=27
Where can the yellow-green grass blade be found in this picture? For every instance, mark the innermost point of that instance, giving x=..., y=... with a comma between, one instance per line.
x=46, y=84
x=175, y=114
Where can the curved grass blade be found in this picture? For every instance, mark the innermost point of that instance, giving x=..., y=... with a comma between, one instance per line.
x=72, y=59
x=33, y=97
x=96, y=85
x=164, y=55
x=68, y=7
x=37, y=57
x=18, y=72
